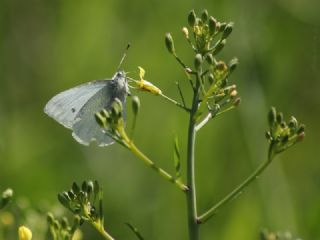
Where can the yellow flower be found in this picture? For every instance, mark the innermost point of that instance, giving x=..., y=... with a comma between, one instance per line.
x=24, y=233
x=145, y=85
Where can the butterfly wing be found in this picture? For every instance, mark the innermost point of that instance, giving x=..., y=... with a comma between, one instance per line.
x=75, y=108
x=86, y=128
x=65, y=106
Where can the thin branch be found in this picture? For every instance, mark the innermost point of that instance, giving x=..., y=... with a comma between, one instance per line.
x=181, y=95
x=238, y=190
x=151, y=164
x=175, y=102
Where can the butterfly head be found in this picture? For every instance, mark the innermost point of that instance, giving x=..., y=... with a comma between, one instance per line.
x=121, y=80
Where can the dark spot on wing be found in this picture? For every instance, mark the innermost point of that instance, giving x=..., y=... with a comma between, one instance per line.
x=73, y=110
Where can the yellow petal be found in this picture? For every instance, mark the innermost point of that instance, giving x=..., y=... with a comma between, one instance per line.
x=24, y=233
x=141, y=72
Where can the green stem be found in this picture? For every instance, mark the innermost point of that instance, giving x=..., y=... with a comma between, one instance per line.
x=191, y=194
x=101, y=230
x=175, y=102
x=151, y=164
x=238, y=190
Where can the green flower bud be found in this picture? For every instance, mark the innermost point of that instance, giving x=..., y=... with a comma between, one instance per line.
x=204, y=15
x=233, y=64
x=209, y=59
x=237, y=102
x=227, y=31
x=198, y=61
x=135, y=104
x=169, y=43
x=64, y=199
x=64, y=223
x=301, y=129
x=116, y=108
x=272, y=116
x=222, y=26
x=50, y=218
x=84, y=186
x=268, y=135
x=192, y=18
x=211, y=78
x=90, y=187
x=219, y=47
x=293, y=124
x=279, y=118
x=212, y=25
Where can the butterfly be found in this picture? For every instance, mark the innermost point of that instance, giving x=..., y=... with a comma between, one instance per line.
x=75, y=107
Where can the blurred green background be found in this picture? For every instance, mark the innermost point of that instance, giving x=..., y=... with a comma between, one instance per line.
x=49, y=46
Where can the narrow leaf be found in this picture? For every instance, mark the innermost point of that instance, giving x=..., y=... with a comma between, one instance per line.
x=135, y=231
x=176, y=158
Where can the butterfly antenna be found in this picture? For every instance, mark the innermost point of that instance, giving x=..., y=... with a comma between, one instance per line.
x=124, y=56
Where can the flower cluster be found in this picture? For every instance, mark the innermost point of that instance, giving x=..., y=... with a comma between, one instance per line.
x=82, y=200
x=282, y=134
x=211, y=75
x=62, y=229
x=268, y=235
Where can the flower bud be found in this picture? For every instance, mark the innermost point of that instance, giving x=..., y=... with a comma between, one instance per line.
x=211, y=78
x=169, y=43
x=192, y=18
x=204, y=15
x=185, y=32
x=279, y=118
x=293, y=124
x=233, y=64
x=237, y=102
x=50, y=218
x=209, y=59
x=227, y=31
x=301, y=129
x=219, y=47
x=212, y=25
x=198, y=61
x=135, y=105
x=6, y=197
x=272, y=116
x=222, y=26
x=24, y=233
x=268, y=135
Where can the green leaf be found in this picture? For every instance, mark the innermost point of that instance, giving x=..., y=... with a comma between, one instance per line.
x=176, y=158
x=135, y=231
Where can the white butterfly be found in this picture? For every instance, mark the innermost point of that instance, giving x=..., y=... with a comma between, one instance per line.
x=75, y=107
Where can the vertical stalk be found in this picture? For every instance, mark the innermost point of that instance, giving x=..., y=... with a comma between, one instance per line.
x=191, y=194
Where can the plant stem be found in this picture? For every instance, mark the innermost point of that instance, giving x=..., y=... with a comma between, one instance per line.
x=101, y=230
x=175, y=102
x=191, y=194
x=238, y=190
x=151, y=164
